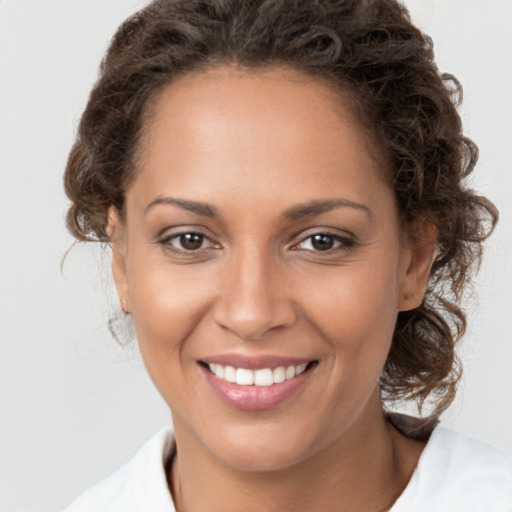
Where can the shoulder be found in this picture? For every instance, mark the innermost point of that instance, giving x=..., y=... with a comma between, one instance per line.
x=139, y=485
x=459, y=474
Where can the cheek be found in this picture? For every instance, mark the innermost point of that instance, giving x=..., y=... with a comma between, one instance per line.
x=167, y=303
x=355, y=311
x=357, y=299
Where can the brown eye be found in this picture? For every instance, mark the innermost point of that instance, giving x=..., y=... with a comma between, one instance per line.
x=191, y=241
x=326, y=242
x=188, y=244
x=322, y=242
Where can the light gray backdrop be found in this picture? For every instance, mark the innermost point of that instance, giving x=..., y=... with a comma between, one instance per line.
x=74, y=405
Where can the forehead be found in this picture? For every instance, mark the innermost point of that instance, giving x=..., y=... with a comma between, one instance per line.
x=282, y=83
x=241, y=98
x=264, y=129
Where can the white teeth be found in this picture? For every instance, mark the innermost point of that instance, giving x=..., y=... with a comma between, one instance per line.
x=244, y=377
x=262, y=377
x=300, y=369
x=219, y=371
x=290, y=372
x=230, y=374
x=279, y=375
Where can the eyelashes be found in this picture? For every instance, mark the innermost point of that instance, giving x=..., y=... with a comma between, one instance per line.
x=190, y=243
x=188, y=246
x=326, y=242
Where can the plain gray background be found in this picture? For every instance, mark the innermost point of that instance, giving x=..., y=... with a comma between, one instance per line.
x=73, y=404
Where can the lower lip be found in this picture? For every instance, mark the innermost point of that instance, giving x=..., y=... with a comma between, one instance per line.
x=255, y=398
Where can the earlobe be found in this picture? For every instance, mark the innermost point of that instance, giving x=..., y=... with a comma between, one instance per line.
x=118, y=248
x=421, y=252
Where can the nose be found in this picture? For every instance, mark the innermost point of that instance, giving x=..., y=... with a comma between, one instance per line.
x=254, y=298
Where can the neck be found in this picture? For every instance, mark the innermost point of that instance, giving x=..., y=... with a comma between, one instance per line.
x=366, y=469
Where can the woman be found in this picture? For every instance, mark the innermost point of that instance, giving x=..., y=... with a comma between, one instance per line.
x=282, y=187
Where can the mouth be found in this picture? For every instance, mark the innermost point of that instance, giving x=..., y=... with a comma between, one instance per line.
x=259, y=377
x=253, y=385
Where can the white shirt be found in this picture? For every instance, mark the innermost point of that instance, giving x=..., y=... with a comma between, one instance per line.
x=454, y=474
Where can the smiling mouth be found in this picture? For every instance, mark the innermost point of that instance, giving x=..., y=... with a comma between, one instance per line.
x=262, y=377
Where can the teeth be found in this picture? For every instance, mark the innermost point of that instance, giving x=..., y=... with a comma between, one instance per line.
x=300, y=369
x=230, y=374
x=244, y=377
x=219, y=371
x=262, y=377
x=279, y=375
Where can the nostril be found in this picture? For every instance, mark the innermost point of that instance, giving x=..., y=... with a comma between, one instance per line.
x=251, y=318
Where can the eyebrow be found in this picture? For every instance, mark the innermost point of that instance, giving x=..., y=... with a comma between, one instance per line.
x=204, y=209
x=309, y=209
x=317, y=207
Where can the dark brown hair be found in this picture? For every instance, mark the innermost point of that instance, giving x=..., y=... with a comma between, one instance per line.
x=368, y=47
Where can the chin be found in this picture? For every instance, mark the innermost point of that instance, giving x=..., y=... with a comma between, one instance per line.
x=259, y=448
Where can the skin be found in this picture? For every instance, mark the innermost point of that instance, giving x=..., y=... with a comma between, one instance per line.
x=253, y=145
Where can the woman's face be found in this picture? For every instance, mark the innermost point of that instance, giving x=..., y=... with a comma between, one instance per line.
x=260, y=239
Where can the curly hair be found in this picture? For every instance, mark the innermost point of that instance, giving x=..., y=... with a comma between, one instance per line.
x=369, y=48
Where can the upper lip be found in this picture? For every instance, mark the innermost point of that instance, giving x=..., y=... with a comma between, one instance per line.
x=254, y=362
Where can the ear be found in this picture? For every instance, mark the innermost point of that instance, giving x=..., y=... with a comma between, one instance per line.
x=118, y=246
x=417, y=258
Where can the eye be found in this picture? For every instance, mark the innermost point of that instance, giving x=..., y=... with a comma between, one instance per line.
x=325, y=242
x=187, y=242
x=190, y=241
x=320, y=242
